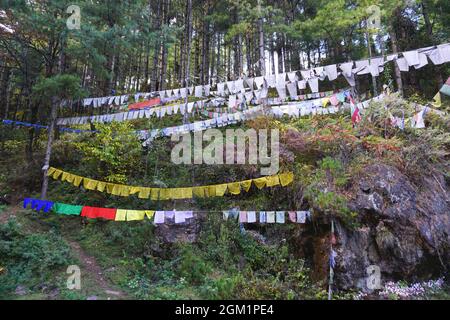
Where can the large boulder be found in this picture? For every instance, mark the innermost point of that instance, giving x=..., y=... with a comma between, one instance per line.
x=404, y=229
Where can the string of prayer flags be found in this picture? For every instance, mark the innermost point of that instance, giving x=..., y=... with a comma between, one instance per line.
x=142, y=111
x=417, y=121
x=119, y=215
x=39, y=126
x=233, y=188
x=279, y=217
x=161, y=217
x=415, y=58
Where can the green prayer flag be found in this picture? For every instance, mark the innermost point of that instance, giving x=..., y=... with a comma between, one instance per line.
x=67, y=209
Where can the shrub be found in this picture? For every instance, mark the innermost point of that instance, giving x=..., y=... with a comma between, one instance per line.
x=29, y=259
x=113, y=153
x=192, y=267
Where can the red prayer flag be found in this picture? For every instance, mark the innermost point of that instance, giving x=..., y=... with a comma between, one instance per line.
x=95, y=213
x=145, y=104
x=356, y=117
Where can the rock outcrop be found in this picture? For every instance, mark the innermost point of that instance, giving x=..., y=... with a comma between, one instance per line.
x=404, y=229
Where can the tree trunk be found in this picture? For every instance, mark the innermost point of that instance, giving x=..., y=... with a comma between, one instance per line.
x=429, y=28
x=248, y=52
x=262, y=60
x=188, y=53
x=374, y=79
x=4, y=93
x=398, y=74
x=157, y=26
x=162, y=79
x=218, y=65
x=48, y=152
x=55, y=102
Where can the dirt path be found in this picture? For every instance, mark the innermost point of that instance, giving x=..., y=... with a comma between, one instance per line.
x=94, y=279
x=95, y=272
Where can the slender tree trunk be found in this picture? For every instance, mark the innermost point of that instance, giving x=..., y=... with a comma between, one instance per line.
x=262, y=60
x=398, y=74
x=48, y=152
x=188, y=53
x=5, y=89
x=55, y=102
x=248, y=53
x=8, y=99
x=208, y=56
x=157, y=26
x=212, y=60
x=374, y=79
x=162, y=81
x=428, y=24
x=218, y=65
x=272, y=56
x=429, y=28
x=146, y=68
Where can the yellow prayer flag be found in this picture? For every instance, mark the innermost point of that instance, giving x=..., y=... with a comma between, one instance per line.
x=121, y=215
x=135, y=215
x=70, y=178
x=64, y=176
x=117, y=190
x=437, y=101
x=210, y=191
x=325, y=102
x=144, y=193
x=181, y=193
x=90, y=184
x=286, y=178
x=77, y=181
x=273, y=181
x=57, y=174
x=134, y=190
x=101, y=186
x=165, y=194
x=198, y=192
x=246, y=185
x=50, y=171
x=221, y=189
x=234, y=188
x=149, y=214
x=260, y=182
x=154, y=194
x=110, y=187
x=125, y=191
x=186, y=193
